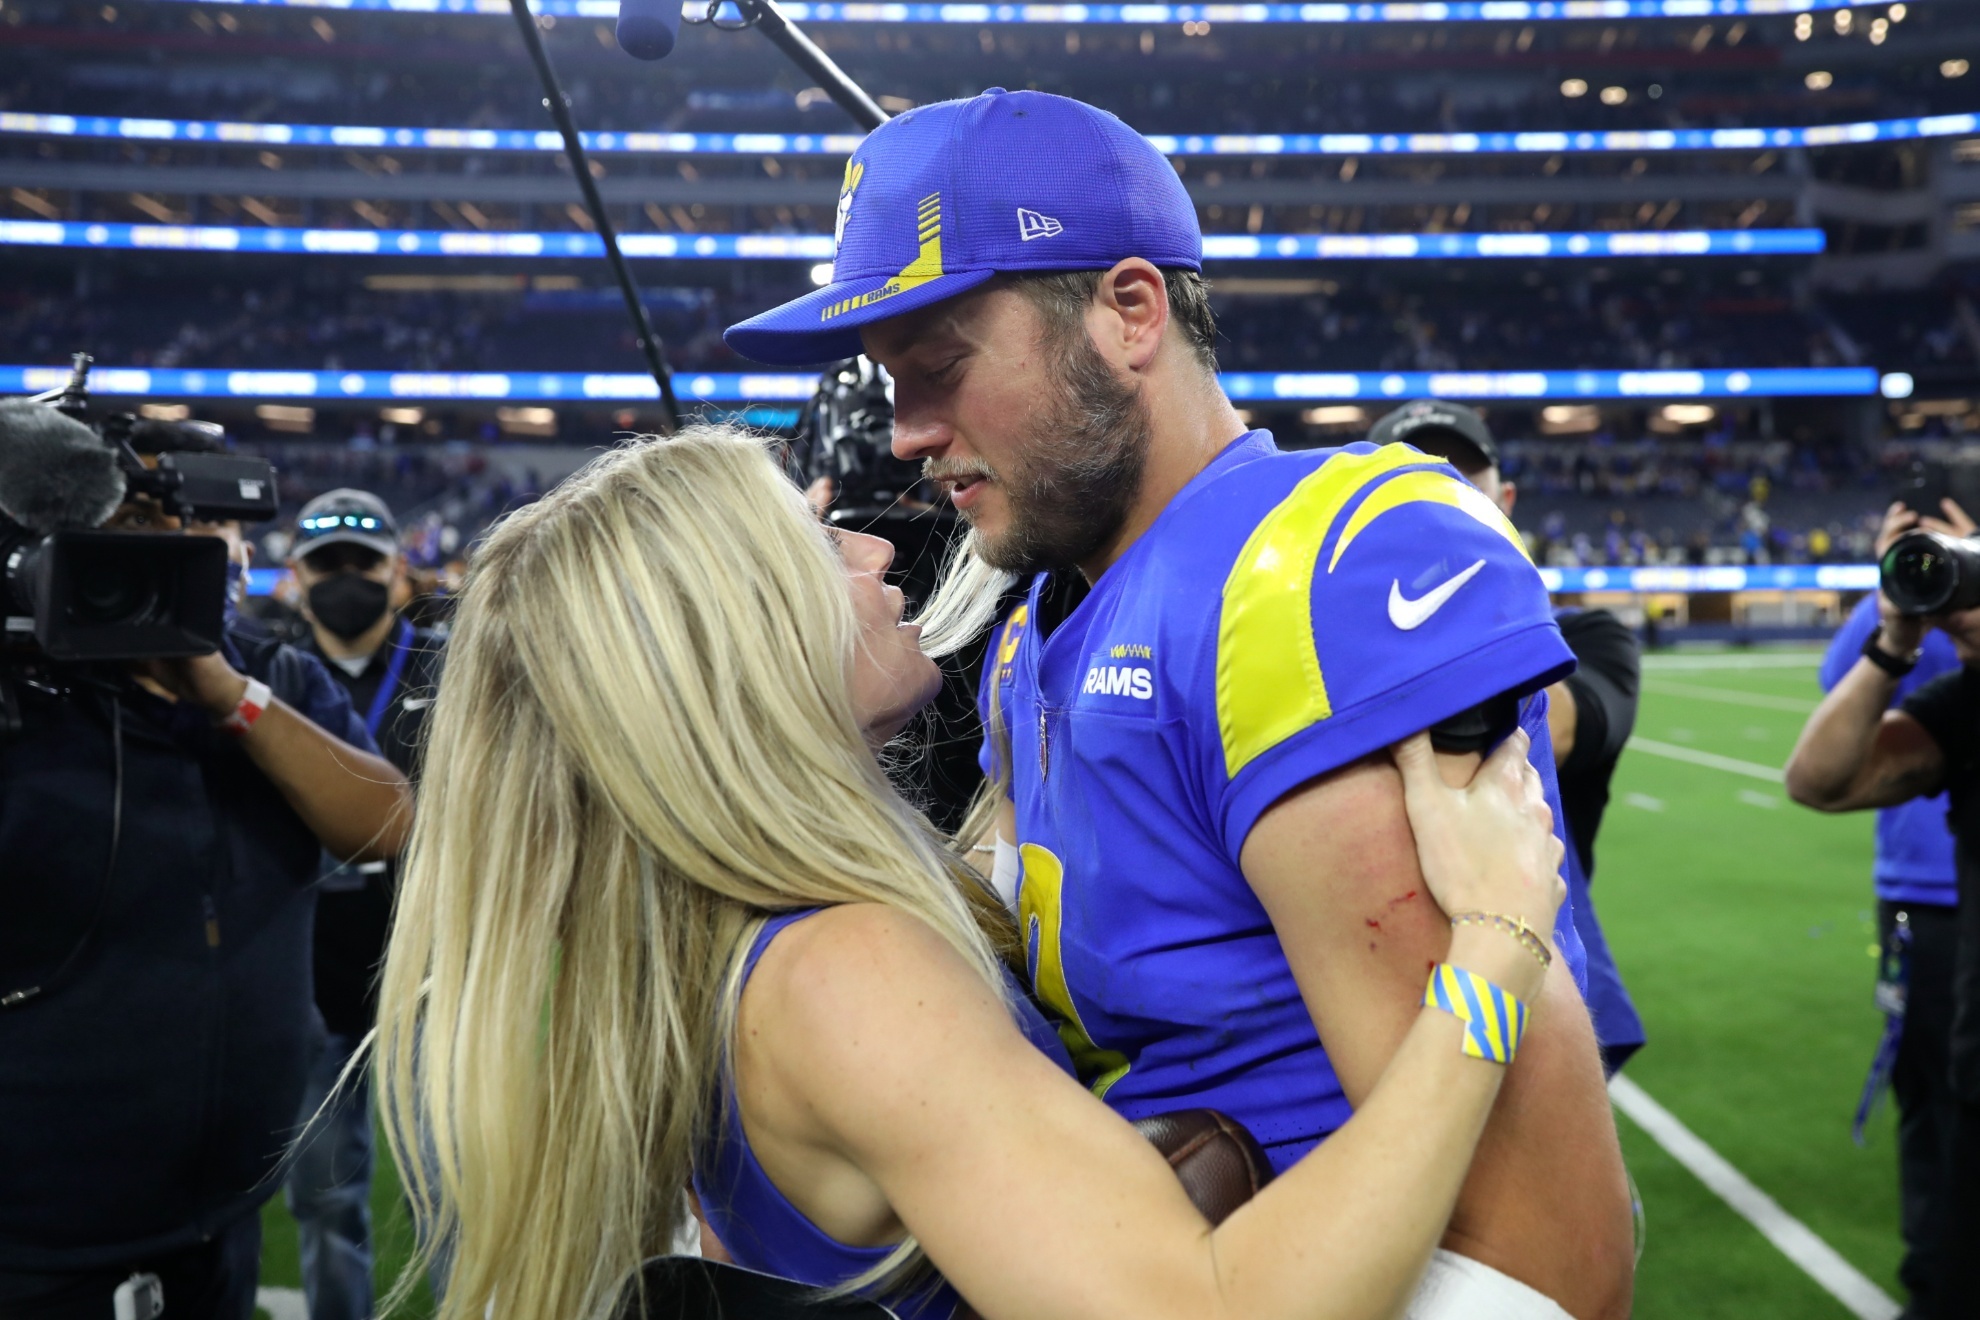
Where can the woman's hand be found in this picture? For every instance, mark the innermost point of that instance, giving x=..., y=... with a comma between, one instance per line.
x=1489, y=846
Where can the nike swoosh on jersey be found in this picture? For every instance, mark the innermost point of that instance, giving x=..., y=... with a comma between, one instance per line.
x=1407, y=614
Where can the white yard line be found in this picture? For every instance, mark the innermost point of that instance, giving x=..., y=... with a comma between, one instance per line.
x=1794, y=1239
x=1731, y=696
x=282, y=1303
x=1671, y=751
x=1733, y=660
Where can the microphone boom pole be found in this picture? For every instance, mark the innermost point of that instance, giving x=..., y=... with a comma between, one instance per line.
x=560, y=111
x=764, y=16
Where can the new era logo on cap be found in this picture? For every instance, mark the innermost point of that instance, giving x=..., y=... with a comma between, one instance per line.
x=1033, y=225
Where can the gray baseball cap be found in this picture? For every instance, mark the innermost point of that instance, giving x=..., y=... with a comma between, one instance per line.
x=1433, y=424
x=346, y=517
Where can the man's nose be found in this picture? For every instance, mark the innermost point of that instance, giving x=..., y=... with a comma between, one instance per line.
x=919, y=435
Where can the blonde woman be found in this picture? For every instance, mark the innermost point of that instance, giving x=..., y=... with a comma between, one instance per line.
x=663, y=916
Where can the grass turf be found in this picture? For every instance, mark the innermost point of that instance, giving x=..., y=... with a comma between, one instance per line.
x=1743, y=925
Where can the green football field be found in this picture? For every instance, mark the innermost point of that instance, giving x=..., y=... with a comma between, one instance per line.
x=1743, y=925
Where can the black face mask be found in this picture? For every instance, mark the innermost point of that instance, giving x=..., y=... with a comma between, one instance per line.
x=348, y=604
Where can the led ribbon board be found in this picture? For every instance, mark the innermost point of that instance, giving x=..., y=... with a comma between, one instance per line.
x=1784, y=577
x=1242, y=386
x=1459, y=11
x=818, y=247
x=355, y=136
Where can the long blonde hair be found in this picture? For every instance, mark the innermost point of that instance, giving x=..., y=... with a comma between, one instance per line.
x=643, y=744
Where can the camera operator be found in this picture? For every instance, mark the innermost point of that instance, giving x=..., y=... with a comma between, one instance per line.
x=1917, y=898
x=1589, y=713
x=1857, y=752
x=161, y=821
x=352, y=575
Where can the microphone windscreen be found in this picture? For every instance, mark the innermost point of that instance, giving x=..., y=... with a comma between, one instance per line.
x=648, y=28
x=54, y=471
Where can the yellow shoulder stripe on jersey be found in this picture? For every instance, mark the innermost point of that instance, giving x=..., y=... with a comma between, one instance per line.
x=1041, y=919
x=1269, y=684
x=1430, y=487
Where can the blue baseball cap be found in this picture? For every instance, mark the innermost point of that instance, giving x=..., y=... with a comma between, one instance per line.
x=938, y=200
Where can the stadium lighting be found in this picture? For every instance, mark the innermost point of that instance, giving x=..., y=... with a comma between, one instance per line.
x=1879, y=30
x=821, y=274
x=1689, y=414
x=1896, y=13
x=402, y=416
x=165, y=412
x=1569, y=419
x=527, y=421
x=1614, y=95
x=1845, y=20
x=1349, y=414
x=1804, y=27
x=1574, y=87
x=1819, y=80
x=1954, y=69
x=286, y=417
x=1896, y=385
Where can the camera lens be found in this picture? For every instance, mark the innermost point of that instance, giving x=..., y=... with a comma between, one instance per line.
x=105, y=590
x=1919, y=574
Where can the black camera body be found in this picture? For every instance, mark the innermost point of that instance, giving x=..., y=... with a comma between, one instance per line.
x=75, y=593
x=848, y=430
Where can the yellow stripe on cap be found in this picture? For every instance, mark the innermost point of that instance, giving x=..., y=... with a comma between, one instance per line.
x=1429, y=487
x=926, y=266
x=1269, y=683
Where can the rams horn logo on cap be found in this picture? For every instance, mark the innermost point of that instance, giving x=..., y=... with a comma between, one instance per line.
x=855, y=170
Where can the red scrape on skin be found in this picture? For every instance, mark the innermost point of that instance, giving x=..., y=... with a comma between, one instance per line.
x=1372, y=923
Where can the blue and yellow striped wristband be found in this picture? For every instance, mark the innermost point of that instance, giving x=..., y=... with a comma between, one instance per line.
x=1493, y=1020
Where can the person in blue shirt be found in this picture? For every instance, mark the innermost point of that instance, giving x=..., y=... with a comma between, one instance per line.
x=1189, y=710
x=1917, y=919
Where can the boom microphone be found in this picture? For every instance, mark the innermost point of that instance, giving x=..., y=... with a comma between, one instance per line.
x=55, y=473
x=648, y=29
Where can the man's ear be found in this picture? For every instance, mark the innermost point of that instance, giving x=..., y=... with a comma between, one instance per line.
x=1131, y=310
x=1508, y=496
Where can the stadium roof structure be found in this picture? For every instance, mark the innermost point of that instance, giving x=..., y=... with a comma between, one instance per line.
x=1454, y=11
x=223, y=133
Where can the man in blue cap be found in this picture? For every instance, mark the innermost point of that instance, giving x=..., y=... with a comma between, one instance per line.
x=1189, y=713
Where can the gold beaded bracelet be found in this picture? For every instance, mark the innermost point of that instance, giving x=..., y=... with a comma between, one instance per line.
x=1512, y=926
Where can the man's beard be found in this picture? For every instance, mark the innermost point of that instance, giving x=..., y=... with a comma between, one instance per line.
x=1073, y=479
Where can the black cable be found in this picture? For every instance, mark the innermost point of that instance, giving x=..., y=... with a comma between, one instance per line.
x=14, y=998
x=560, y=110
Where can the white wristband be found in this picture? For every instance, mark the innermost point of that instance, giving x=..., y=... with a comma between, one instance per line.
x=253, y=701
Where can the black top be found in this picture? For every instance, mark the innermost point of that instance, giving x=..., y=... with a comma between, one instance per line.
x=354, y=902
x=147, y=1094
x=1949, y=709
x=1604, y=684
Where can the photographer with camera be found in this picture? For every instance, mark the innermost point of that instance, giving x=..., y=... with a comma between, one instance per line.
x=168, y=781
x=1858, y=752
x=347, y=563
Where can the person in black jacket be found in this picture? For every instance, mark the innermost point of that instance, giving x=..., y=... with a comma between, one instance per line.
x=161, y=823
x=348, y=565
x=1590, y=713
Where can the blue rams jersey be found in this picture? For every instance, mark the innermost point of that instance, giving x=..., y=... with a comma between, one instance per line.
x=1287, y=614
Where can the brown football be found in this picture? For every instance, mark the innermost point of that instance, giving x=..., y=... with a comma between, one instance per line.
x=1220, y=1163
